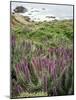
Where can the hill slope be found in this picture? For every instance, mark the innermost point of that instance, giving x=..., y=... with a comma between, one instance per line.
x=53, y=33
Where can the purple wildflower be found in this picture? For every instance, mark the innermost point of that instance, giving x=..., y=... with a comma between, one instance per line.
x=13, y=40
x=17, y=68
x=19, y=89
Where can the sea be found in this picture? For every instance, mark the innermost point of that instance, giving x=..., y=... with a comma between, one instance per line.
x=45, y=12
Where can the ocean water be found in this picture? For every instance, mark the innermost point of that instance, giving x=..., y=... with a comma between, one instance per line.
x=41, y=12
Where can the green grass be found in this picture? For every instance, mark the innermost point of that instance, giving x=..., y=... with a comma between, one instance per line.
x=26, y=94
x=55, y=33
x=33, y=40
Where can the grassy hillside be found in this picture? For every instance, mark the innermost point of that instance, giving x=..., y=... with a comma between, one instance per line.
x=53, y=33
x=41, y=57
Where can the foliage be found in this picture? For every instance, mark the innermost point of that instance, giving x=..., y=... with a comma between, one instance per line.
x=33, y=94
x=20, y=9
x=42, y=59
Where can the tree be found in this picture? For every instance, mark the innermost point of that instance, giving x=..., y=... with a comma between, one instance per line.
x=20, y=9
